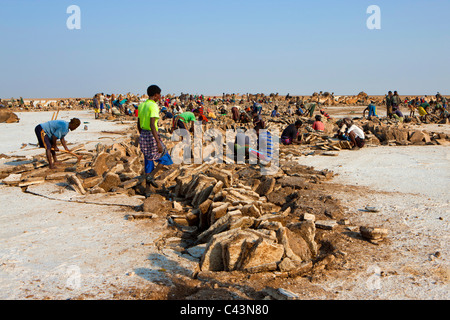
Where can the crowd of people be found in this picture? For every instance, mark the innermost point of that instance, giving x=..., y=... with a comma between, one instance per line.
x=424, y=106
x=186, y=116
x=187, y=110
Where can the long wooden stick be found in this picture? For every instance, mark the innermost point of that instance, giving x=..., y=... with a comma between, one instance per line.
x=74, y=154
x=55, y=115
x=79, y=157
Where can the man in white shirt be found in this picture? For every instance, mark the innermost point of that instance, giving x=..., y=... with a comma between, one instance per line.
x=102, y=102
x=356, y=134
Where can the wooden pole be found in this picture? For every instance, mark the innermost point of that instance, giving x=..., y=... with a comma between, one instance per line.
x=74, y=154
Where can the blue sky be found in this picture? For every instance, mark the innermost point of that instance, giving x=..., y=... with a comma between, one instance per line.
x=211, y=47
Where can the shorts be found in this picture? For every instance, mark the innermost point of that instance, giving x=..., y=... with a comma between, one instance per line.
x=166, y=160
x=43, y=139
x=422, y=111
x=286, y=140
x=178, y=124
x=359, y=142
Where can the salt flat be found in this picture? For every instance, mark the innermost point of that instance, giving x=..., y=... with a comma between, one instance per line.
x=59, y=249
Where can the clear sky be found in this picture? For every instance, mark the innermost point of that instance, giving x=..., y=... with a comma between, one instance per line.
x=211, y=46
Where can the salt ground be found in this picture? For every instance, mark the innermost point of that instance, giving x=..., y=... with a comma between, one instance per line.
x=410, y=187
x=55, y=248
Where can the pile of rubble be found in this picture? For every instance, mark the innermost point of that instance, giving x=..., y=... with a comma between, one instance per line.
x=239, y=227
x=107, y=168
x=386, y=133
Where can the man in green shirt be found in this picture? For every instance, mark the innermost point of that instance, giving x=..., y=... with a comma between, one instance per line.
x=149, y=140
x=181, y=120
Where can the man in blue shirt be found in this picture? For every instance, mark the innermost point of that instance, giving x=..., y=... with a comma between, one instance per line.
x=49, y=132
x=372, y=110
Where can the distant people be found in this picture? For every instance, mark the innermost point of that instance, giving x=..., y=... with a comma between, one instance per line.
x=443, y=101
x=398, y=115
x=235, y=114
x=107, y=105
x=48, y=134
x=96, y=104
x=300, y=111
x=318, y=124
x=290, y=134
x=389, y=102
x=257, y=118
x=244, y=117
x=101, y=99
x=150, y=142
x=289, y=111
x=372, y=110
x=342, y=132
x=211, y=115
x=96, y=112
x=223, y=110
x=423, y=111
x=177, y=110
x=325, y=114
x=396, y=101
x=412, y=105
x=111, y=100
x=202, y=117
x=311, y=109
x=167, y=115
x=257, y=107
x=275, y=113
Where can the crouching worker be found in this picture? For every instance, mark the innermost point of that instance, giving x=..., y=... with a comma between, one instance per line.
x=182, y=120
x=291, y=135
x=149, y=140
x=355, y=133
x=48, y=134
x=372, y=109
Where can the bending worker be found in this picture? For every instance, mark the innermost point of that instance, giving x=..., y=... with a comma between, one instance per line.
x=49, y=132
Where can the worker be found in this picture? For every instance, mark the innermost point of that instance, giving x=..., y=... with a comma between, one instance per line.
x=48, y=134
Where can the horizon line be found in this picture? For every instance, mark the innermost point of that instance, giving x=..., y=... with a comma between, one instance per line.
x=218, y=95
